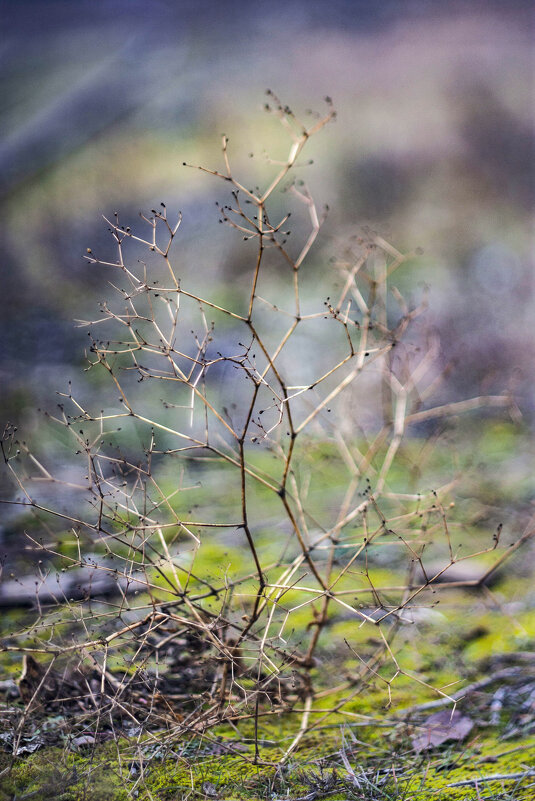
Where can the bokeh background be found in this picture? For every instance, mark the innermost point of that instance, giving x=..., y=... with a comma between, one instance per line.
x=433, y=146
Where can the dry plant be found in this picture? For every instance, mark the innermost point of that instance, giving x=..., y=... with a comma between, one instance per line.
x=264, y=498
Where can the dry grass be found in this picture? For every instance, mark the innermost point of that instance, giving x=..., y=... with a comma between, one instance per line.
x=294, y=384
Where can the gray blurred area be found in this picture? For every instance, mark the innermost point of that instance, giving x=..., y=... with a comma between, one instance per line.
x=434, y=142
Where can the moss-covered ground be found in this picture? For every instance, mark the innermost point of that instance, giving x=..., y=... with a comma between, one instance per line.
x=381, y=768
x=361, y=749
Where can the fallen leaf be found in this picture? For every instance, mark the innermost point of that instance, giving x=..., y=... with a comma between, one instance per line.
x=440, y=727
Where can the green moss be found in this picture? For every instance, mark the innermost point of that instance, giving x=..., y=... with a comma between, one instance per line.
x=483, y=758
x=53, y=774
x=465, y=631
x=516, y=635
x=104, y=776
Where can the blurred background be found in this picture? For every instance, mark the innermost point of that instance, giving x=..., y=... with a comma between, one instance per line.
x=433, y=146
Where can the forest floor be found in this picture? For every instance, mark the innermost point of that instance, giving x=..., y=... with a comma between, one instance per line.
x=452, y=716
x=421, y=746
